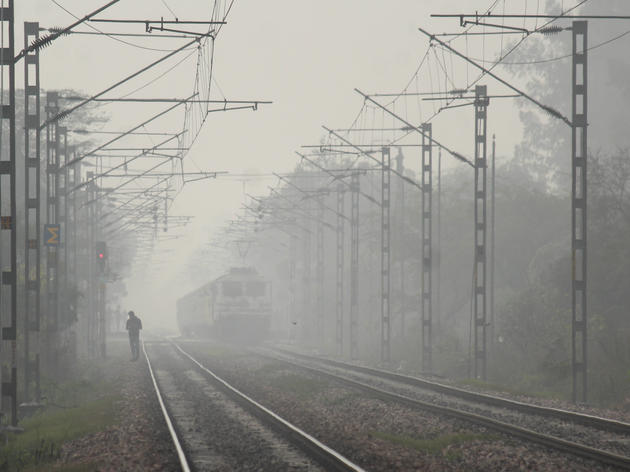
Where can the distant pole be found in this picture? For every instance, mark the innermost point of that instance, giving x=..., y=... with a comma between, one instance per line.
x=92, y=279
x=492, y=229
x=8, y=223
x=401, y=241
x=438, y=265
x=480, y=229
x=292, y=304
x=426, y=249
x=52, y=216
x=32, y=227
x=319, y=273
x=306, y=284
x=354, y=265
x=385, y=256
x=340, y=270
x=579, y=147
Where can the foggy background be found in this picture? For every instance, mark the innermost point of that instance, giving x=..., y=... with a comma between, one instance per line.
x=307, y=57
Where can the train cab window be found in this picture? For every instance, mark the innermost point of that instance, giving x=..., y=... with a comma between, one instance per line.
x=232, y=289
x=256, y=289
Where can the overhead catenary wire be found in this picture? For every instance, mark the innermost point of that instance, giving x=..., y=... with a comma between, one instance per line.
x=108, y=35
x=64, y=113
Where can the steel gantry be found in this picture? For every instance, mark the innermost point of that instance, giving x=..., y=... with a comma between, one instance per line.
x=32, y=226
x=480, y=200
x=578, y=209
x=341, y=192
x=426, y=231
x=385, y=255
x=8, y=223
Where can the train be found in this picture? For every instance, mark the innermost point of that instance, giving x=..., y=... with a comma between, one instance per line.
x=235, y=307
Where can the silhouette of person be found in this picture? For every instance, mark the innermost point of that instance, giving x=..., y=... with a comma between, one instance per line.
x=134, y=325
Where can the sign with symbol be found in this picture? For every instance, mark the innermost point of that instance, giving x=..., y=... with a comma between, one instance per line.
x=52, y=235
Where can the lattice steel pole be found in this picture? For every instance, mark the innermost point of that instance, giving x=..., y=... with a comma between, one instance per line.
x=438, y=245
x=385, y=255
x=401, y=241
x=62, y=211
x=73, y=179
x=306, y=282
x=319, y=268
x=578, y=209
x=341, y=191
x=492, y=243
x=100, y=287
x=8, y=223
x=102, y=316
x=292, y=303
x=52, y=209
x=480, y=199
x=354, y=265
x=426, y=230
x=91, y=267
x=32, y=226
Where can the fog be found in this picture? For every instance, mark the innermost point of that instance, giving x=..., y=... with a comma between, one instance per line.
x=307, y=58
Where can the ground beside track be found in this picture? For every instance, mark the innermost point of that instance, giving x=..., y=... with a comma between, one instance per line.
x=107, y=418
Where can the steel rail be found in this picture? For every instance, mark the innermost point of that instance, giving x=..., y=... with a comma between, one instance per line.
x=598, y=422
x=330, y=459
x=183, y=462
x=564, y=445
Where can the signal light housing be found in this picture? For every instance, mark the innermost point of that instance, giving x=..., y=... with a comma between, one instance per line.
x=101, y=256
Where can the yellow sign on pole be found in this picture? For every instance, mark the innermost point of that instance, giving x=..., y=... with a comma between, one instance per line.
x=52, y=235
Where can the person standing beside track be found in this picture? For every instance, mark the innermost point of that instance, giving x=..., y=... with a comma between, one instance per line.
x=134, y=325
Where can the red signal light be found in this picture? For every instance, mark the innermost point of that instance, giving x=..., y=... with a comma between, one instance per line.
x=101, y=255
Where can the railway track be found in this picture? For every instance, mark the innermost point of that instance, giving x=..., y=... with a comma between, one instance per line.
x=549, y=427
x=604, y=424
x=212, y=423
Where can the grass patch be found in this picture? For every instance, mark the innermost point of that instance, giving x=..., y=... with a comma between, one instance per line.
x=46, y=432
x=84, y=402
x=77, y=467
x=301, y=386
x=434, y=445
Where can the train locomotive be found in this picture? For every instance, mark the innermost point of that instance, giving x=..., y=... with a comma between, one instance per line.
x=234, y=307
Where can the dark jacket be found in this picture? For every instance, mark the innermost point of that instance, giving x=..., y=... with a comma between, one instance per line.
x=134, y=325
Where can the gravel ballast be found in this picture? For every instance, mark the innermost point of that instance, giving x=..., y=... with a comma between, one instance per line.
x=375, y=434
x=139, y=440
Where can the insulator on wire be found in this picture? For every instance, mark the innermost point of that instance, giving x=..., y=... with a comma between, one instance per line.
x=549, y=30
x=59, y=30
x=41, y=42
x=45, y=40
x=61, y=115
x=552, y=112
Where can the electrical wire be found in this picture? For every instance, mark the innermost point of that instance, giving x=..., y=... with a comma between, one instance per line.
x=498, y=62
x=109, y=35
x=169, y=9
x=559, y=58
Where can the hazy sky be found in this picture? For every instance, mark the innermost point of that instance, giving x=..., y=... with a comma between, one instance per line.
x=305, y=56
